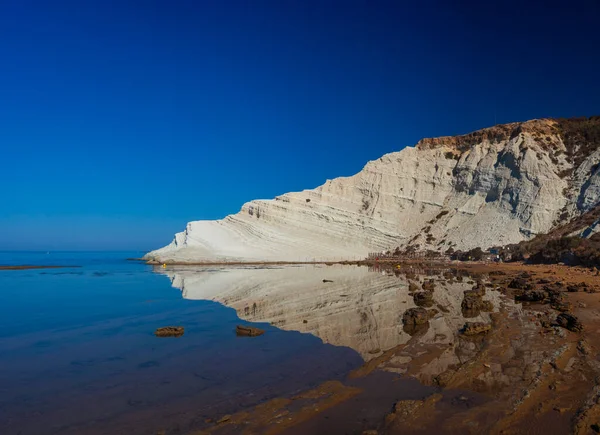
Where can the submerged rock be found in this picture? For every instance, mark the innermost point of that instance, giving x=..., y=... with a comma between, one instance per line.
x=169, y=331
x=520, y=284
x=423, y=299
x=415, y=316
x=532, y=296
x=569, y=322
x=413, y=287
x=428, y=285
x=474, y=328
x=248, y=331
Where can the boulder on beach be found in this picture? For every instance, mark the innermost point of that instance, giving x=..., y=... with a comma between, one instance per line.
x=169, y=331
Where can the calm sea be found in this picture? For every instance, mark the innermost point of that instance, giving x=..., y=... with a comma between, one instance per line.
x=78, y=354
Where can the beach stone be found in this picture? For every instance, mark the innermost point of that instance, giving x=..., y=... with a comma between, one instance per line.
x=169, y=331
x=569, y=321
x=471, y=301
x=487, y=306
x=562, y=306
x=479, y=290
x=248, y=331
x=423, y=299
x=520, y=284
x=428, y=285
x=327, y=280
x=415, y=316
x=532, y=296
x=474, y=328
x=413, y=287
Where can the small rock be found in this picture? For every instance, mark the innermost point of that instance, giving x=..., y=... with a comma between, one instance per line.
x=305, y=321
x=563, y=307
x=520, y=283
x=479, y=290
x=474, y=328
x=415, y=316
x=169, y=331
x=531, y=296
x=327, y=280
x=428, y=285
x=423, y=299
x=487, y=306
x=248, y=331
x=569, y=322
x=432, y=312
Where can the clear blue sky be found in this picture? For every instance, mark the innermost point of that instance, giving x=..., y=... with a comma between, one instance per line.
x=121, y=120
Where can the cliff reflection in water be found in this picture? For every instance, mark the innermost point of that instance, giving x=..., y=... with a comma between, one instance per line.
x=360, y=308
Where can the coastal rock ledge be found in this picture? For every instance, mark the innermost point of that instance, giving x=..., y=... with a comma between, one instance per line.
x=496, y=186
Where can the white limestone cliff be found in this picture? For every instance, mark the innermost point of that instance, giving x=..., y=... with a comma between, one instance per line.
x=493, y=187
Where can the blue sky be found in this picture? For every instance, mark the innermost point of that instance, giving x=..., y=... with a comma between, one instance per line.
x=121, y=121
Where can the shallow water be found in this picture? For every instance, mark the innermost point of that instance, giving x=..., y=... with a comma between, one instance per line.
x=78, y=354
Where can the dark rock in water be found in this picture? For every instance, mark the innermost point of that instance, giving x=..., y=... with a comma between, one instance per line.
x=448, y=275
x=432, y=312
x=474, y=328
x=169, y=331
x=327, y=280
x=479, y=290
x=416, y=330
x=520, y=284
x=469, y=314
x=569, y=322
x=562, y=306
x=471, y=301
x=532, y=296
x=415, y=316
x=428, y=285
x=487, y=306
x=423, y=299
x=248, y=331
x=412, y=287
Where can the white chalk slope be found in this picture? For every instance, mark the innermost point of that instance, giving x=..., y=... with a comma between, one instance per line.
x=493, y=187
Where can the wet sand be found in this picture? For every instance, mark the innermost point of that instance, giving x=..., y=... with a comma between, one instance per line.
x=527, y=375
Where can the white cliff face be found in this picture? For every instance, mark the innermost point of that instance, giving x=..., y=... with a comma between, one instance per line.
x=494, y=187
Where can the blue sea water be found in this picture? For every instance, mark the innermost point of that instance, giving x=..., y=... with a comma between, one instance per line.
x=78, y=354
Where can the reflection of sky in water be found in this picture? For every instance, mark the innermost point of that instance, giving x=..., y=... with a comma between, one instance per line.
x=77, y=347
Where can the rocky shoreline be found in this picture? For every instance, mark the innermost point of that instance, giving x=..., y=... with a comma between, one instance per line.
x=533, y=366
